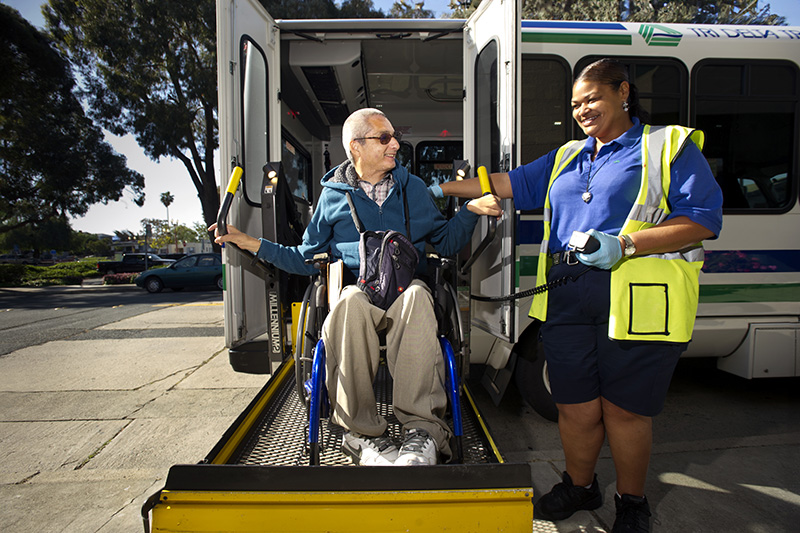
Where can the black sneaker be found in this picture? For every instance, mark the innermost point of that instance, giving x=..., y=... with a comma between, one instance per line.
x=565, y=498
x=633, y=514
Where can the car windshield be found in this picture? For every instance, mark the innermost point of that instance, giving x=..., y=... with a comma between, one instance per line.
x=186, y=262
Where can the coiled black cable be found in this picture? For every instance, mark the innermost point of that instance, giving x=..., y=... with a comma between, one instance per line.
x=550, y=285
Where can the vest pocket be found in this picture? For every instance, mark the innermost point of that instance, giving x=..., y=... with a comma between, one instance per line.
x=648, y=309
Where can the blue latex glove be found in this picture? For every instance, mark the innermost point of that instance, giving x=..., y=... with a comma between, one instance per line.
x=607, y=255
x=436, y=191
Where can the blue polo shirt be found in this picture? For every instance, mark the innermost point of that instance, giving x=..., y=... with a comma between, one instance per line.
x=613, y=179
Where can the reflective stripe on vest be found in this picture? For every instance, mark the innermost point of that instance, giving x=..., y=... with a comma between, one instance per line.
x=654, y=297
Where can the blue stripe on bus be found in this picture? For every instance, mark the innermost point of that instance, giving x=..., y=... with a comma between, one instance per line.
x=716, y=261
x=573, y=25
x=530, y=231
x=766, y=261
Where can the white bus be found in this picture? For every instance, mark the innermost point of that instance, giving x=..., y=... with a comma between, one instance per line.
x=494, y=90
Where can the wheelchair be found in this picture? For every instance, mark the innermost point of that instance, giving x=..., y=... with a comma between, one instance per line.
x=309, y=348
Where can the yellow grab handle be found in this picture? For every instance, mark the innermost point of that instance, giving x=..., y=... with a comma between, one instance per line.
x=483, y=177
x=233, y=184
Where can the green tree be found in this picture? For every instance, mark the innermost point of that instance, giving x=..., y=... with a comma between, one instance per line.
x=82, y=243
x=408, y=9
x=359, y=9
x=200, y=232
x=53, y=160
x=307, y=9
x=51, y=234
x=321, y=9
x=164, y=234
x=671, y=11
x=149, y=68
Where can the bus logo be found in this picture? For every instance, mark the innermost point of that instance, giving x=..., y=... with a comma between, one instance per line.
x=657, y=35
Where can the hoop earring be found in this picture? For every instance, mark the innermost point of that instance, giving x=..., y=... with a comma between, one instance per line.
x=625, y=106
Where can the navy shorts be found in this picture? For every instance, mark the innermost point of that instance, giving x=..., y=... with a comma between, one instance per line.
x=584, y=364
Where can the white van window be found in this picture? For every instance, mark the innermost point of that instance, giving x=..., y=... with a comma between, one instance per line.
x=255, y=112
x=487, y=129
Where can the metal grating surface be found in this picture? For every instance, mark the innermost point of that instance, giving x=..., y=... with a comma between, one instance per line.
x=278, y=438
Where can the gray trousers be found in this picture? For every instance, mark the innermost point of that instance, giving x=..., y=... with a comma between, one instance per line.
x=413, y=356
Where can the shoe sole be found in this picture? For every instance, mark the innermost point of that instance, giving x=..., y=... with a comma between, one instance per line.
x=591, y=505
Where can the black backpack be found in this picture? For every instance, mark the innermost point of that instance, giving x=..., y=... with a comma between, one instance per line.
x=388, y=260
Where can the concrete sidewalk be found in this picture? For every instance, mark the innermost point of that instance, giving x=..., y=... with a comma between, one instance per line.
x=89, y=428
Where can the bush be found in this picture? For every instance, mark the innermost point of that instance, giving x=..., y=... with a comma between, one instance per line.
x=39, y=276
x=119, y=279
x=11, y=275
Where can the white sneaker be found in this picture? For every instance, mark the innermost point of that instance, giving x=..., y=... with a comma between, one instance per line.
x=369, y=451
x=418, y=448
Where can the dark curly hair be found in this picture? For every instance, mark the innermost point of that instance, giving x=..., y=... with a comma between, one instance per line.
x=612, y=72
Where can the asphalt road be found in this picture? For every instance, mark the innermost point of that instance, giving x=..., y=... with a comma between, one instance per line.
x=30, y=317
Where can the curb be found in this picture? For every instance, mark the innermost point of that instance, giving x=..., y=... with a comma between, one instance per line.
x=74, y=288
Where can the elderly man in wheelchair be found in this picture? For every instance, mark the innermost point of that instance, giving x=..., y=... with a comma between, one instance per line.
x=386, y=197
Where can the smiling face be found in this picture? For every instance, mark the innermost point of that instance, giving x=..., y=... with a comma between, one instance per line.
x=597, y=108
x=371, y=158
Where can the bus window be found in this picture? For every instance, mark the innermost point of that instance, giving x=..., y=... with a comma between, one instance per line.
x=747, y=109
x=405, y=155
x=546, y=116
x=435, y=160
x=297, y=167
x=254, y=121
x=487, y=128
x=662, y=84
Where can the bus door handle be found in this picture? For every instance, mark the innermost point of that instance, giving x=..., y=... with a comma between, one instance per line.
x=486, y=188
x=222, y=218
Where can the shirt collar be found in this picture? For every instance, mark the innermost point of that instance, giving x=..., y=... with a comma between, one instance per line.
x=627, y=139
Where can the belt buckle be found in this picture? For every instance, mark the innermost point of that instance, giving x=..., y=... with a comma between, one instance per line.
x=571, y=258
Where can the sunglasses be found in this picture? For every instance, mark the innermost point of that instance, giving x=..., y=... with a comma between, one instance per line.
x=384, y=138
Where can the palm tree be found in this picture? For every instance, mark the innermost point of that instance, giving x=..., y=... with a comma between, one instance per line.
x=166, y=199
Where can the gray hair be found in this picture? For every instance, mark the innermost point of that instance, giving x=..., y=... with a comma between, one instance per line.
x=357, y=125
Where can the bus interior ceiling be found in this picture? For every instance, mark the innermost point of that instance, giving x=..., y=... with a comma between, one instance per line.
x=418, y=83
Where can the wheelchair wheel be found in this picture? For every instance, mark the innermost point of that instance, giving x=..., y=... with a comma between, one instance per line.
x=308, y=332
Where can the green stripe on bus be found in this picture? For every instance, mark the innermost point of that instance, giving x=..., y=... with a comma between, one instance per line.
x=728, y=293
x=761, y=292
x=576, y=38
x=526, y=266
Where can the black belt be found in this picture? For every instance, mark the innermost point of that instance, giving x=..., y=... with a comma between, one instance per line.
x=567, y=257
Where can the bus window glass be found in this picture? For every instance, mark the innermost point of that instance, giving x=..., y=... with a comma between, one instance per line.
x=254, y=122
x=662, y=89
x=435, y=160
x=487, y=128
x=773, y=80
x=662, y=83
x=296, y=167
x=749, y=137
x=405, y=155
x=546, y=89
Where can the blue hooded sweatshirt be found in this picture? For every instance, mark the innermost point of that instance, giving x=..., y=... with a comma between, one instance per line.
x=332, y=228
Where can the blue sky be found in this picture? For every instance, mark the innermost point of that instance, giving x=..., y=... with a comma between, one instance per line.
x=170, y=175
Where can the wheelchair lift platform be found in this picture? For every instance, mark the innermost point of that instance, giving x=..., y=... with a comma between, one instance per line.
x=257, y=478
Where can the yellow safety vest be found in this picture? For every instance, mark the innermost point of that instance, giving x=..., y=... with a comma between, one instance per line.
x=653, y=297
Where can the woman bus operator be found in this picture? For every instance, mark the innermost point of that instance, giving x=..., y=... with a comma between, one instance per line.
x=613, y=337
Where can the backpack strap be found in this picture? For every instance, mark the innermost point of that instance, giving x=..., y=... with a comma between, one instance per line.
x=356, y=220
x=408, y=219
x=360, y=225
